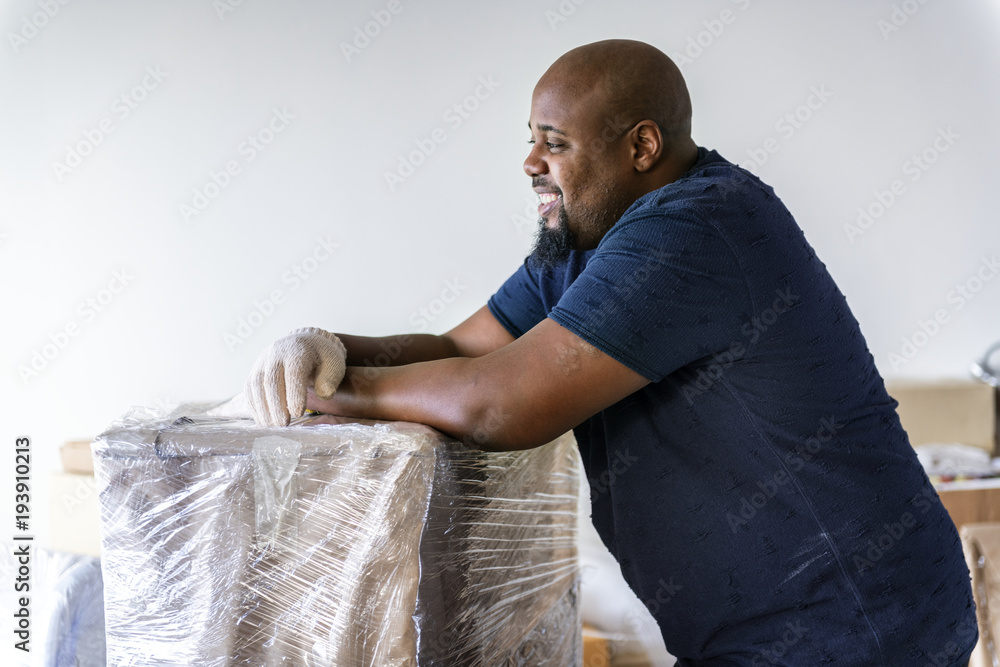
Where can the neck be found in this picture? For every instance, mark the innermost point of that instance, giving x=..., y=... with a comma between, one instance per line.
x=671, y=167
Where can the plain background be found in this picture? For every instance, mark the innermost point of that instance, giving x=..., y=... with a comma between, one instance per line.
x=427, y=252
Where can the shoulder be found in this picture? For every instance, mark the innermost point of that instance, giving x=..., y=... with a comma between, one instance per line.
x=707, y=200
x=712, y=184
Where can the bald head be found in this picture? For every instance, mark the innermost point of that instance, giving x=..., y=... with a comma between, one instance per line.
x=627, y=80
x=610, y=122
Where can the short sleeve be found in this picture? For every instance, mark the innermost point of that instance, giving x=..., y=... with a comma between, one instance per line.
x=517, y=305
x=660, y=292
x=531, y=293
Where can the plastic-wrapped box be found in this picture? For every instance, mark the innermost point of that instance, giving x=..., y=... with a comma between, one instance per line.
x=335, y=545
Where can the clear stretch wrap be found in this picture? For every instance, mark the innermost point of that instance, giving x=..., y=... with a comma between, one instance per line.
x=333, y=545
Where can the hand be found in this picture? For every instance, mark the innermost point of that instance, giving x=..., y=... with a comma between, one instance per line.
x=276, y=388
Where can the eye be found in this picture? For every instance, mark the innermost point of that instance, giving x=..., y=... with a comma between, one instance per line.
x=551, y=145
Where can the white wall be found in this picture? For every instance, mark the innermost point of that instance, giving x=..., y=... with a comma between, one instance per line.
x=454, y=221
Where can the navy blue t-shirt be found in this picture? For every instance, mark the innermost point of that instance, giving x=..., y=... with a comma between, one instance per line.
x=760, y=495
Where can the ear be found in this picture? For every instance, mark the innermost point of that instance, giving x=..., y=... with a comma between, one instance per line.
x=646, y=142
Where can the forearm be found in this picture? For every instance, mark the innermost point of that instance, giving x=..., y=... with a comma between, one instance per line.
x=523, y=394
x=477, y=336
x=443, y=394
x=278, y=384
x=367, y=351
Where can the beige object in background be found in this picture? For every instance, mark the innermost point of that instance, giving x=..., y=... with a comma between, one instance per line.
x=981, y=543
x=595, y=648
x=972, y=502
x=73, y=505
x=605, y=649
x=946, y=411
x=75, y=512
x=76, y=457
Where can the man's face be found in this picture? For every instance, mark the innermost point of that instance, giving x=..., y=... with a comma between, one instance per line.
x=577, y=165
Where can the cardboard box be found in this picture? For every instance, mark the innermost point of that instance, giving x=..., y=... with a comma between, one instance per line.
x=981, y=543
x=947, y=411
x=603, y=649
x=971, y=501
x=333, y=544
x=75, y=511
x=76, y=457
x=972, y=505
x=595, y=649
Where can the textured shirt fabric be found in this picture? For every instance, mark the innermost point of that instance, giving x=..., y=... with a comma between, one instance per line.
x=760, y=494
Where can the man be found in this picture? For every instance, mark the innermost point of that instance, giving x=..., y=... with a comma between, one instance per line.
x=747, y=466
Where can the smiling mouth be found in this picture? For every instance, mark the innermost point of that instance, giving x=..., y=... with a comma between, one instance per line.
x=547, y=202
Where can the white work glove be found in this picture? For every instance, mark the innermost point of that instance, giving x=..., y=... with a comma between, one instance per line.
x=276, y=388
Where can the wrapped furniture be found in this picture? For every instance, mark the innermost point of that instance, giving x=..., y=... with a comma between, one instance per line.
x=333, y=545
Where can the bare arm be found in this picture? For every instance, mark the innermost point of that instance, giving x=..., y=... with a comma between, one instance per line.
x=476, y=336
x=519, y=395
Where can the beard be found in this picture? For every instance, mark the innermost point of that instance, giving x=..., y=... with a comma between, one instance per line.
x=553, y=246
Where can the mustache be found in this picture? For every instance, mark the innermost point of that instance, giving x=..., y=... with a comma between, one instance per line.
x=537, y=182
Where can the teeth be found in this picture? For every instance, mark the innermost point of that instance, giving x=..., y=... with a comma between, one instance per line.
x=547, y=197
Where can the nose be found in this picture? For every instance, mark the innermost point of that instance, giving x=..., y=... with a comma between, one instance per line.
x=534, y=165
